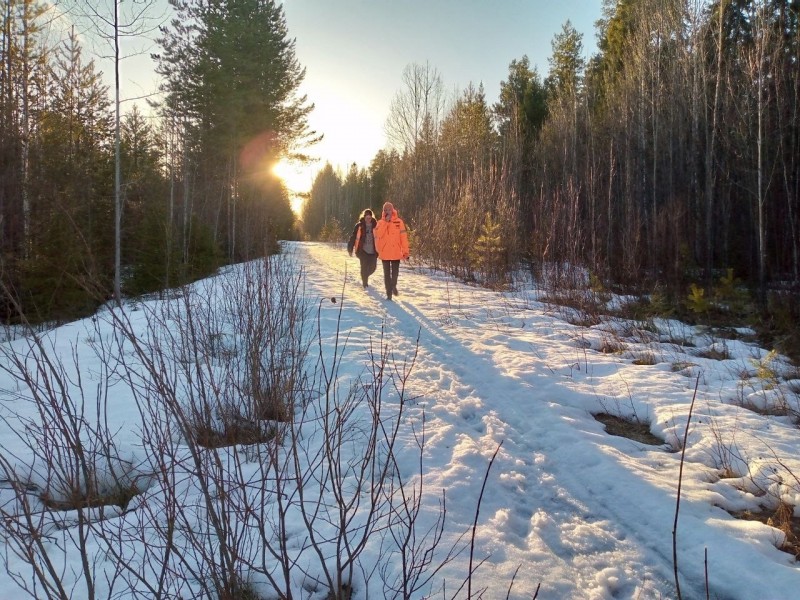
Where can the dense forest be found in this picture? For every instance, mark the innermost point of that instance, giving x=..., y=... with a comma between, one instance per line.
x=668, y=162
x=95, y=203
x=670, y=158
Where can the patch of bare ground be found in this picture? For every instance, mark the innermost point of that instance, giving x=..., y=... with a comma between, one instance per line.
x=782, y=519
x=629, y=428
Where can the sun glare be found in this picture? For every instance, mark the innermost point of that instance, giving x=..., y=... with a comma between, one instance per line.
x=298, y=178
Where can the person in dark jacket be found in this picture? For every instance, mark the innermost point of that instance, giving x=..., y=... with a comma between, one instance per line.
x=362, y=242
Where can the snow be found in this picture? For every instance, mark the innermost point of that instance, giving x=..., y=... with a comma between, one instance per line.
x=567, y=508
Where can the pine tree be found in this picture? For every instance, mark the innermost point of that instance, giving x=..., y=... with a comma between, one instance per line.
x=323, y=202
x=381, y=169
x=332, y=231
x=70, y=265
x=522, y=106
x=520, y=114
x=23, y=76
x=566, y=63
x=235, y=73
x=467, y=138
x=489, y=252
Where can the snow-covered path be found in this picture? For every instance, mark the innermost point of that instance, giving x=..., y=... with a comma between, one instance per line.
x=568, y=509
x=504, y=378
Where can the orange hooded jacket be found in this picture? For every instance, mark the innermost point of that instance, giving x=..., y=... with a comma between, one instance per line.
x=391, y=238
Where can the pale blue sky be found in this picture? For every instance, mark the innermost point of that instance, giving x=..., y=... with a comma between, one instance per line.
x=355, y=52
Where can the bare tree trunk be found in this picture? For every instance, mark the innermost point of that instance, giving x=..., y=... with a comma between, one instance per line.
x=610, y=203
x=788, y=134
x=655, y=98
x=760, y=49
x=6, y=104
x=793, y=174
x=117, y=168
x=697, y=86
x=26, y=130
x=186, y=195
x=137, y=23
x=234, y=185
x=762, y=243
x=171, y=216
x=709, y=159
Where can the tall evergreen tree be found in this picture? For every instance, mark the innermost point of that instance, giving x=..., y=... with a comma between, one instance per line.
x=519, y=114
x=23, y=79
x=522, y=105
x=324, y=201
x=71, y=264
x=234, y=69
x=467, y=138
x=150, y=249
x=564, y=86
x=381, y=169
x=566, y=63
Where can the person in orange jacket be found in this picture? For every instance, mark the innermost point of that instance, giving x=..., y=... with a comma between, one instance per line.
x=391, y=240
x=362, y=242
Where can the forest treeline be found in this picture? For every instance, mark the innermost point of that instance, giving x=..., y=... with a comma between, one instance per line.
x=670, y=157
x=189, y=174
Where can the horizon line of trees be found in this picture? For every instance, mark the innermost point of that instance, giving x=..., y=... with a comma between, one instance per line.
x=671, y=155
x=196, y=181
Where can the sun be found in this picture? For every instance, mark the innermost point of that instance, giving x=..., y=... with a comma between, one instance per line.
x=298, y=177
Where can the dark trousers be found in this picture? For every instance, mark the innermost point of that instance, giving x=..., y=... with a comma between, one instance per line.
x=369, y=262
x=391, y=269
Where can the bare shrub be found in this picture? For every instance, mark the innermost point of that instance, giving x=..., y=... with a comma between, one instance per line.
x=266, y=470
x=478, y=195
x=71, y=476
x=726, y=455
x=243, y=345
x=577, y=306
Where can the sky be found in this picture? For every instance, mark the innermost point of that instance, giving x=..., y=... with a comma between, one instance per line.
x=355, y=51
x=493, y=395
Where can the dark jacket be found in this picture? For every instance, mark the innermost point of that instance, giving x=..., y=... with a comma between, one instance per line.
x=354, y=244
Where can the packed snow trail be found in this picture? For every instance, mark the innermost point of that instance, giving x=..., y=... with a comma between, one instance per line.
x=508, y=391
x=582, y=513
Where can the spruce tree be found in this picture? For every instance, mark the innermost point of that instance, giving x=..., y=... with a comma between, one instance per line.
x=489, y=252
x=323, y=202
x=235, y=73
x=70, y=265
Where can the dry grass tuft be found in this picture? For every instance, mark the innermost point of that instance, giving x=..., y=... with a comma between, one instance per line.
x=728, y=473
x=775, y=410
x=93, y=498
x=612, y=346
x=682, y=365
x=782, y=519
x=714, y=354
x=646, y=359
x=233, y=432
